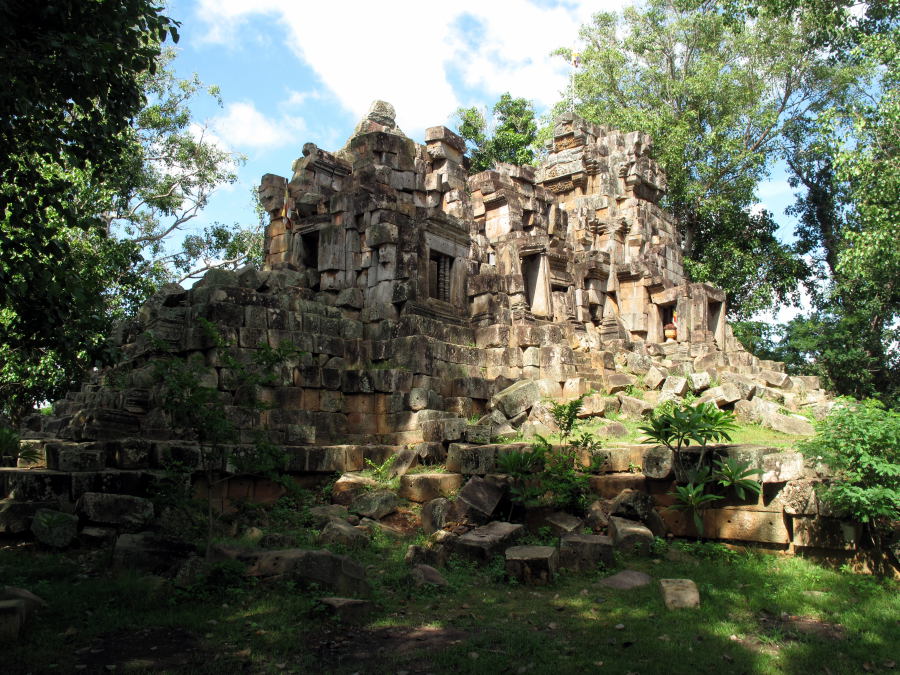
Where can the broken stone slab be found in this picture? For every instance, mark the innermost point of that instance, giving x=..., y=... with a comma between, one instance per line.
x=533, y=565
x=426, y=575
x=54, y=528
x=337, y=572
x=517, y=398
x=615, y=382
x=630, y=535
x=627, y=580
x=70, y=457
x=583, y=552
x=562, y=523
x=484, y=542
x=424, y=487
x=126, y=511
x=658, y=463
x=350, y=486
x=346, y=610
x=679, y=593
x=481, y=495
x=375, y=504
x=746, y=386
x=342, y=533
x=772, y=378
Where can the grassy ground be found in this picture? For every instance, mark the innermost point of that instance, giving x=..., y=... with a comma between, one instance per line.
x=760, y=614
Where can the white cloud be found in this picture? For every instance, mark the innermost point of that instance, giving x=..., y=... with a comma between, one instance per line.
x=242, y=127
x=404, y=52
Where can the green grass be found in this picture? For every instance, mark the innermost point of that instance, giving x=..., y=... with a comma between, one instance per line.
x=570, y=626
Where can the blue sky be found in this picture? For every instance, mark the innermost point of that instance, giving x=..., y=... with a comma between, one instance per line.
x=293, y=71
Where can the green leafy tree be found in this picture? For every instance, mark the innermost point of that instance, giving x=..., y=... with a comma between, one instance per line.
x=508, y=137
x=71, y=72
x=715, y=89
x=107, y=239
x=844, y=161
x=860, y=443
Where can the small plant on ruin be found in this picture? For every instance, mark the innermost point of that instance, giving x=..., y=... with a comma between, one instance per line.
x=566, y=415
x=732, y=474
x=546, y=476
x=693, y=497
x=11, y=450
x=381, y=472
x=684, y=424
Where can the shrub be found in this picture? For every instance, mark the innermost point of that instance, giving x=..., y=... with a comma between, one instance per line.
x=677, y=427
x=860, y=444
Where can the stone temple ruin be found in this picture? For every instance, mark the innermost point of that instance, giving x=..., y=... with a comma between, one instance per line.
x=434, y=312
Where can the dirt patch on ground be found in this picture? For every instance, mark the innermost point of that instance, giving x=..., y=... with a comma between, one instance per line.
x=144, y=650
x=367, y=649
x=793, y=626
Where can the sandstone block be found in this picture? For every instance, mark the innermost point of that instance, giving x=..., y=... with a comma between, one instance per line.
x=435, y=514
x=517, y=398
x=485, y=542
x=471, y=459
x=425, y=487
x=679, y=593
x=53, y=528
x=658, y=463
x=699, y=382
x=583, y=552
x=481, y=495
x=634, y=407
x=781, y=467
x=610, y=485
x=630, y=535
x=534, y=565
x=375, y=504
x=655, y=377
x=616, y=382
x=675, y=385
x=341, y=533
x=348, y=487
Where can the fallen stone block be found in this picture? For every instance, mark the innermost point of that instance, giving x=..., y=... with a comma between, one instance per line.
x=699, y=382
x=481, y=495
x=54, y=528
x=722, y=395
x=485, y=542
x=627, y=580
x=795, y=425
x=533, y=565
x=471, y=459
x=149, y=552
x=583, y=552
x=654, y=377
x=615, y=382
x=435, y=514
x=375, y=504
x=341, y=533
x=517, y=398
x=125, y=511
x=679, y=593
x=675, y=385
x=322, y=515
x=630, y=535
x=634, y=407
x=426, y=575
x=349, y=486
x=632, y=505
x=562, y=523
x=424, y=487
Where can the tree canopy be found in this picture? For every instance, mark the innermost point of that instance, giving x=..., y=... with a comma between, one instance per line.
x=508, y=136
x=715, y=91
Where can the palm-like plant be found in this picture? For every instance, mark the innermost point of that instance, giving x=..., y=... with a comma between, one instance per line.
x=676, y=428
